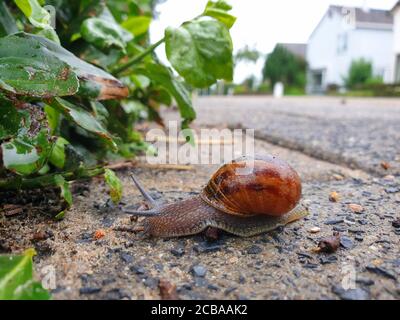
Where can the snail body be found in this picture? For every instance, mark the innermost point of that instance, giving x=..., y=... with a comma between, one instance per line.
x=245, y=197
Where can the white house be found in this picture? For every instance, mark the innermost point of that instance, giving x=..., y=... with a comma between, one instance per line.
x=343, y=35
x=396, y=41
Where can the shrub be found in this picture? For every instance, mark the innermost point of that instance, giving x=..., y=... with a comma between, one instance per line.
x=69, y=101
x=360, y=72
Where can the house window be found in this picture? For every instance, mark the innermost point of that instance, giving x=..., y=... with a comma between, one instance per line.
x=342, y=43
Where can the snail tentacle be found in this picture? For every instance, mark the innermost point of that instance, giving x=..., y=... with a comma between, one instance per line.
x=145, y=213
x=144, y=193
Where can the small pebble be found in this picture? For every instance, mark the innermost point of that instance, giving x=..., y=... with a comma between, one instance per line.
x=178, y=252
x=333, y=221
x=137, y=269
x=89, y=290
x=346, y=242
x=382, y=272
x=328, y=259
x=127, y=258
x=254, y=249
x=365, y=281
x=199, y=270
x=350, y=294
x=334, y=196
x=356, y=208
x=314, y=230
x=385, y=165
x=396, y=223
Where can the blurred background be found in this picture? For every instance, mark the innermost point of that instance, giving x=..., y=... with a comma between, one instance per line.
x=331, y=47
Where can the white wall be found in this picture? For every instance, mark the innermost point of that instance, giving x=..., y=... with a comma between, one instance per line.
x=376, y=46
x=321, y=47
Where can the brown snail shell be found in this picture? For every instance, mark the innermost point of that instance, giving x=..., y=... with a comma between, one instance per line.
x=271, y=187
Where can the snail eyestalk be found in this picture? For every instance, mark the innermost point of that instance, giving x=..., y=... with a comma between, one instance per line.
x=144, y=193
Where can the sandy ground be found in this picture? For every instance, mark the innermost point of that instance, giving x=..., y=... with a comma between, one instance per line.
x=279, y=265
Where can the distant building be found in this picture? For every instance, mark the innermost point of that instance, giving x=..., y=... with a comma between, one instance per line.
x=396, y=41
x=343, y=35
x=298, y=49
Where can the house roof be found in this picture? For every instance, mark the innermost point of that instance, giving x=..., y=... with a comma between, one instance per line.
x=298, y=49
x=374, y=16
x=395, y=7
x=370, y=18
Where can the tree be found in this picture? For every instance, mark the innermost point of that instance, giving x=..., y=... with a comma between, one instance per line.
x=282, y=65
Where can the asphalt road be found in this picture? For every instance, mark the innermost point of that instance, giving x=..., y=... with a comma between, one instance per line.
x=360, y=133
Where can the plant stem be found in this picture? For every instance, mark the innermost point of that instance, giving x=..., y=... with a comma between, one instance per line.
x=137, y=58
x=17, y=183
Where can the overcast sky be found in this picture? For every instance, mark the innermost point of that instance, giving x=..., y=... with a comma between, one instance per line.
x=260, y=23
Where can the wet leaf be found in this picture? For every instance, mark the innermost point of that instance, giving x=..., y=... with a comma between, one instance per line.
x=83, y=119
x=28, y=68
x=38, y=16
x=11, y=119
x=220, y=10
x=137, y=25
x=7, y=21
x=25, y=155
x=28, y=143
x=201, y=51
x=16, y=278
x=93, y=82
x=64, y=186
x=104, y=34
x=163, y=76
x=115, y=185
x=57, y=156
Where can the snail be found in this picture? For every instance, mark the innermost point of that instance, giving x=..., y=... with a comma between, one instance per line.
x=238, y=202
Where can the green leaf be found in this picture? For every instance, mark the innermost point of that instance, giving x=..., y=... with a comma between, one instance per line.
x=65, y=191
x=11, y=119
x=28, y=143
x=201, y=51
x=25, y=155
x=16, y=278
x=57, y=156
x=115, y=185
x=94, y=82
x=38, y=16
x=83, y=119
x=219, y=10
x=27, y=68
x=163, y=76
x=104, y=34
x=53, y=118
x=7, y=21
x=137, y=25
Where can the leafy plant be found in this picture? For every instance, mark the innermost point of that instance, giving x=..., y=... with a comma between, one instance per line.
x=360, y=72
x=16, y=278
x=70, y=100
